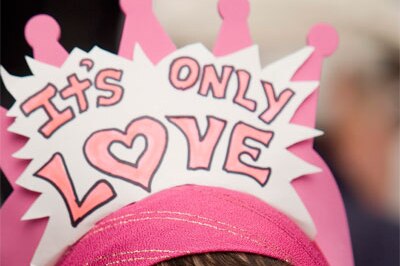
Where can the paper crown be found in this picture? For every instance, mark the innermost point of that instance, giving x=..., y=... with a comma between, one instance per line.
x=107, y=130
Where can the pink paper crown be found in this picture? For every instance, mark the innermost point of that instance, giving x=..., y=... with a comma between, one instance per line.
x=318, y=191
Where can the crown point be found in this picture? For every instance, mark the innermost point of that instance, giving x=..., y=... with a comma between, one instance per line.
x=42, y=32
x=234, y=9
x=324, y=38
x=130, y=6
x=125, y=5
x=234, y=33
x=42, y=28
x=141, y=26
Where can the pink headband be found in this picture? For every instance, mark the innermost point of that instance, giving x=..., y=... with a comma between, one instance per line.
x=191, y=220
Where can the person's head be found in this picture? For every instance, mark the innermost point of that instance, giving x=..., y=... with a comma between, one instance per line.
x=224, y=258
x=195, y=225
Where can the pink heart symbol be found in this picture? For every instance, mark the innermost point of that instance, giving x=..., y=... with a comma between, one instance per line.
x=98, y=153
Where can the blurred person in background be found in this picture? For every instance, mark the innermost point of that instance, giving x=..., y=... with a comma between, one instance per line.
x=359, y=107
x=362, y=147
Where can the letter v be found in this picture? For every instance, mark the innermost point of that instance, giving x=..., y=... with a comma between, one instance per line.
x=201, y=148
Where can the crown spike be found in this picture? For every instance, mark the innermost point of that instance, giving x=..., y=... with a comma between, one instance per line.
x=141, y=26
x=16, y=252
x=321, y=186
x=234, y=33
x=324, y=39
x=42, y=33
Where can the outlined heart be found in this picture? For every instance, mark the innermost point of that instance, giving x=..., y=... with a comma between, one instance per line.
x=128, y=154
x=98, y=153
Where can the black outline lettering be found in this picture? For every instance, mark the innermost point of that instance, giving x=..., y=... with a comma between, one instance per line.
x=179, y=73
x=74, y=222
x=82, y=64
x=75, y=94
x=255, y=159
x=245, y=91
x=219, y=78
x=148, y=189
x=201, y=138
x=45, y=110
x=112, y=84
x=269, y=105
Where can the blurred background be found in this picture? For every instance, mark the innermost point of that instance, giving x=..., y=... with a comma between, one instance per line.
x=359, y=106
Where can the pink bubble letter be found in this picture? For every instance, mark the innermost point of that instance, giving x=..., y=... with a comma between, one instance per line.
x=191, y=77
x=56, y=173
x=201, y=148
x=275, y=105
x=42, y=100
x=77, y=88
x=211, y=81
x=102, y=84
x=243, y=86
x=237, y=148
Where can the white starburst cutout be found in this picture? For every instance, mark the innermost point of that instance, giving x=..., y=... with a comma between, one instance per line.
x=105, y=132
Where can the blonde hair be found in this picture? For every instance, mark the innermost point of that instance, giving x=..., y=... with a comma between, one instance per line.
x=226, y=258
